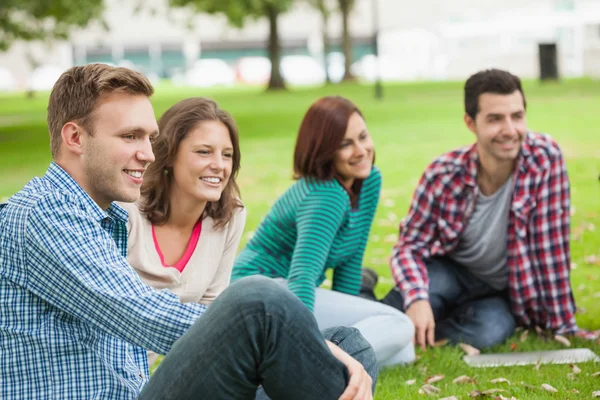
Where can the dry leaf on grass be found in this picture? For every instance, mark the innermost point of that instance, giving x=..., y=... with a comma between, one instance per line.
x=411, y=381
x=575, y=369
x=475, y=393
x=549, y=388
x=528, y=386
x=571, y=376
x=492, y=391
x=524, y=336
x=464, y=379
x=592, y=260
x=434, y=378
x=596, y=393
x=504, y=398
x=574, y=391
x=513, y=346
x=538, y=364
x=440, y=343
x=449, y=398
x=596, y=373
x=500, y=380
x=563, y=340
x=429, y=389
x=469, y=350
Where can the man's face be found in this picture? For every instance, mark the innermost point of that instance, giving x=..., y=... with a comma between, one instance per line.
x=500, y=125
x=115, y=157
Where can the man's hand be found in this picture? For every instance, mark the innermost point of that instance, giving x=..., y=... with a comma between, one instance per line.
x=360, y=386
x=422, y=317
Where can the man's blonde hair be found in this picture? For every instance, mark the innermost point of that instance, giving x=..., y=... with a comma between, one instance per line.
x=78, y=90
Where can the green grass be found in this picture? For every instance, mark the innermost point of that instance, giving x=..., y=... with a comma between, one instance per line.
x=412, y=125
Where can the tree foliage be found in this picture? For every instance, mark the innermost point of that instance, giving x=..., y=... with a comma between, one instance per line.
x=237, y=13
x=44, y=19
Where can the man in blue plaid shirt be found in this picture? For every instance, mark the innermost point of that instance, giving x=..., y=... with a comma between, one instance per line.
x=75, y=318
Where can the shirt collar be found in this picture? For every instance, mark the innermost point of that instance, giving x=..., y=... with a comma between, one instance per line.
x=63, y=181
x=472, y=160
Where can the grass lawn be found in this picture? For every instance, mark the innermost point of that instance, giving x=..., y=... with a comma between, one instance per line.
x=412, y=125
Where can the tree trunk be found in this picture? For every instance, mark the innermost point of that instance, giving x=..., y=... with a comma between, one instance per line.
x=345, y=7
x=276, y=81
x=326, y=46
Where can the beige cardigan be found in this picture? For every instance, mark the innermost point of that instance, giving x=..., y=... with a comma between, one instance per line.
x=208, y=271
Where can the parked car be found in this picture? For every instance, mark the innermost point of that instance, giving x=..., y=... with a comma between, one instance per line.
x=209, y=72
x=8, y=83
x=253, y=70
x=43, y=78
x=302, y=70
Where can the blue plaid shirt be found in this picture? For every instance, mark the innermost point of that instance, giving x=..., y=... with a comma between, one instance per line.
x=75, y=318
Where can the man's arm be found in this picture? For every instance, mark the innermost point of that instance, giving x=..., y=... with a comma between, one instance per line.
x=548, y=235
x=75, y=265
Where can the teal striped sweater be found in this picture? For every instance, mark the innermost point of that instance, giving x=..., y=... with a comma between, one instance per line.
x=311, y=228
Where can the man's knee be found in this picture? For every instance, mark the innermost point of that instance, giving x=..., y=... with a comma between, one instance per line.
x=497, y=328
x=353, y=342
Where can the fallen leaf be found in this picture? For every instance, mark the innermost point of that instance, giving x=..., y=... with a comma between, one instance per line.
x=440, y=343
x=513, y=346
x=596, y=373
x=430, y=389
x=389, y=203
x=528, y=386
x=449, y=398
x=549, y=388
x=411, y=381
x=434, y=378
x=464, y=379
x=390, y=238
x=563, y=340
x=574, y=390
x=571, y=376
x=592, y=260
x=500, y=380
x=596, y=393
x=524, y=336
x=470, y=350
x=492, y=391
x=475, y=393
x=575, y=369
x=538, y=364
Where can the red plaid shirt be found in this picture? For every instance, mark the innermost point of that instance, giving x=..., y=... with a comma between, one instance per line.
x=538, y=230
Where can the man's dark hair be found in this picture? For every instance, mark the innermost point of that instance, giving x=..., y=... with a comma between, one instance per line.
x=489, y=81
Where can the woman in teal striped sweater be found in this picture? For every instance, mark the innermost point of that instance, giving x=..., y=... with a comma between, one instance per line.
x=323, y=222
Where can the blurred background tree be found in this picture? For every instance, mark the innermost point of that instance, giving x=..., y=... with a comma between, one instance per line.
x=237, y=12
x=43, y=19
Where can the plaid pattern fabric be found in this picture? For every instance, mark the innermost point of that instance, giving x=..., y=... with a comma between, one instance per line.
x=538, y=230
x=75, y=319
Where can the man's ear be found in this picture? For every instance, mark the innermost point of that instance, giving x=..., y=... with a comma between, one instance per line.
x=470, y=123
x=71, y=134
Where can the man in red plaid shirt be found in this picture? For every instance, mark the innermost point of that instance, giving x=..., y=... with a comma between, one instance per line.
x=485, y=246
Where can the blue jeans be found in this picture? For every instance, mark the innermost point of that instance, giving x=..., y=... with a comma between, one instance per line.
x=466, y=310
x=257, y=334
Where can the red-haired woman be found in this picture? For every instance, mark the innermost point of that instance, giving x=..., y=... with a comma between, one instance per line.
x=323, y=222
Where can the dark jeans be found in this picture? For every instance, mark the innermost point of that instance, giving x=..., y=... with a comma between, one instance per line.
x=466, y=310
x=257, y=333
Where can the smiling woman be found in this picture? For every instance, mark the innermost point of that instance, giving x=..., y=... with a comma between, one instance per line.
x=322, y=222
x=186, y=227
